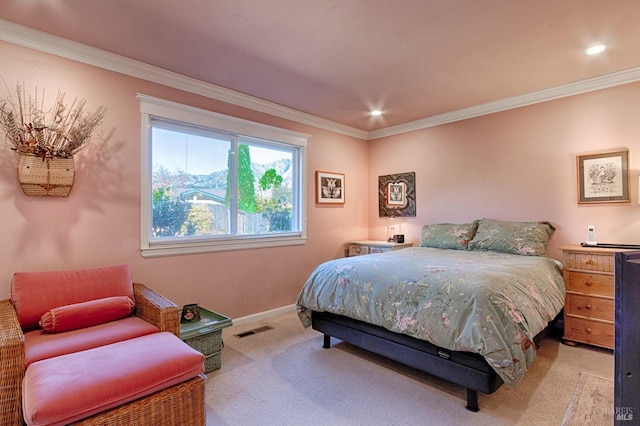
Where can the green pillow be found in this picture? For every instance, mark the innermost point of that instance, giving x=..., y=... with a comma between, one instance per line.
x=524, y=238
x=448, y=235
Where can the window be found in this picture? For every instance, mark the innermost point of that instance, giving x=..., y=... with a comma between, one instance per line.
x=213, y=182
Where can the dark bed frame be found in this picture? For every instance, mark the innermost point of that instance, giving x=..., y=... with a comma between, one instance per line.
x=462, y=368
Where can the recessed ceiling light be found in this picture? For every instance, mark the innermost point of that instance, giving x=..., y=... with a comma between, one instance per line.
x=594, y=50
x=376, y=113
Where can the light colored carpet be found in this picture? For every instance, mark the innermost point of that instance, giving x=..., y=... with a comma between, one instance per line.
x=283, y=376
x=591, y=402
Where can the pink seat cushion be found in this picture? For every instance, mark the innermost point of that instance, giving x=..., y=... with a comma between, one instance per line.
x=67, y=388
x=39, y=345
x=34, y=293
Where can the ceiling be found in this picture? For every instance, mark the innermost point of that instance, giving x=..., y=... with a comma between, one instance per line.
x=338, y=59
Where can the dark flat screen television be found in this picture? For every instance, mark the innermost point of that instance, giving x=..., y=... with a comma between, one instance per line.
x=626, y=410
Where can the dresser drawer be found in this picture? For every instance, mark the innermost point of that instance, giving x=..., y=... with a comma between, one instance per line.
x=584, y=282
x=589, y=331
x=591, y=307
x=375, y=249
x=356, y=250
x=589, y=262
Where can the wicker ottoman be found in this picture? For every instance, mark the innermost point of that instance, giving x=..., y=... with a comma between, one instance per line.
x=140, y=377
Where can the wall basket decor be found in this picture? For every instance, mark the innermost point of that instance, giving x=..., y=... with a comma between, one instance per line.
x=47, y=140
x=397, y=195
x=45, y=176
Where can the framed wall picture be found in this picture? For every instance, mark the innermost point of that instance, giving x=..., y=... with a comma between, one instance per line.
x=397, y=195
x=190, y=313
x=603, y=177
x=329, y=188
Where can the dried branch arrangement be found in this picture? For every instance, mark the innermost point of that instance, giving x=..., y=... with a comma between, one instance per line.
x=59, y=132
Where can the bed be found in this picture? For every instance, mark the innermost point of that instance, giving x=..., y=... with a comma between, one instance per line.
x=466, y=305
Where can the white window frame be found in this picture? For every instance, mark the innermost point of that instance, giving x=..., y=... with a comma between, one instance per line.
x=160, y=108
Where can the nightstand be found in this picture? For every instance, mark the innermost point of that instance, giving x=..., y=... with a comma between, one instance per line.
x=357, y=248
x=205, y=336
x=590, y=304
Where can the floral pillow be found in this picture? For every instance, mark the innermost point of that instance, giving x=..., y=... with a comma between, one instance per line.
x=448, y=235
x=524, y=238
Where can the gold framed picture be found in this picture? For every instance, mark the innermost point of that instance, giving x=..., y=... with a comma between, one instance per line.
x=603, y=177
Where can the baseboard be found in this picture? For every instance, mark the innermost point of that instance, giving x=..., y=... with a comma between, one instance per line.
x=260, y=316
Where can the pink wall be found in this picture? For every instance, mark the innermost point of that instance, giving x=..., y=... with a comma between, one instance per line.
x=518, y=165
x=515, y=165
x=99, y=223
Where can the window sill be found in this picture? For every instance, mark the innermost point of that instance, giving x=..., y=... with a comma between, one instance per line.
x=179, y=249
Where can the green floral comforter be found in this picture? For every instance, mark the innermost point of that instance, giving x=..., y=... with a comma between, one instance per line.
x=485, y=302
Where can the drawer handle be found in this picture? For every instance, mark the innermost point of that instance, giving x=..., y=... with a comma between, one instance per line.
x=588, y=307
x=588, y=262
x=588, y=284
x=588, y=330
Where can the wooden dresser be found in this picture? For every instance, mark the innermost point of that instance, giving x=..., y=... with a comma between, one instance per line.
x=589, y=306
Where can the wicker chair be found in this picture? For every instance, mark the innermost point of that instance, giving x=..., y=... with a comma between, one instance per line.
x=180, y=404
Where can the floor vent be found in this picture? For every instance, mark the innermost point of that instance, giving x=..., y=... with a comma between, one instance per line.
x=254, y=331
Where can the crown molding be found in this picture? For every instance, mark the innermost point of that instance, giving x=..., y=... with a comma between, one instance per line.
x=583, y=86
x=48, y=43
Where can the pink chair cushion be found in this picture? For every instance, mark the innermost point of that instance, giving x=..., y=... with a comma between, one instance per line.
x=34, y=293
x=71, y=387
x=86, y=314
x=39, y=345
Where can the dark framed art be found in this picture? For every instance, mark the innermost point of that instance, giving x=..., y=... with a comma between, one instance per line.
x=329, y=188
x=397, y=195
x=603, y=177
x=190, y=313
